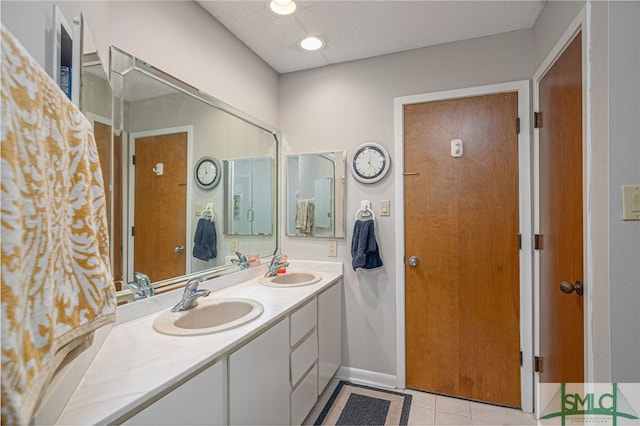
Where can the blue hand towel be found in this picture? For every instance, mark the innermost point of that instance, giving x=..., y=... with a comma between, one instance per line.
x=205, y=240
x=364, y=248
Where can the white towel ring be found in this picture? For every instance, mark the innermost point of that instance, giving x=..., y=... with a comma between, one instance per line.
x=365, y=213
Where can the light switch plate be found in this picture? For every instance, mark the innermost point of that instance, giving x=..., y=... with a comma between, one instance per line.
x=385, y=208
x=198, y=209
x=631, y=202
x=332, y=248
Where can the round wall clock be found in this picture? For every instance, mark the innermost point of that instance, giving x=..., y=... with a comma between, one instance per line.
x=207, y=172
x=370, y=162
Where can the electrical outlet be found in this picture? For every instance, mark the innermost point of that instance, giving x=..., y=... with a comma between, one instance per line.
x=198, y=209
x=235, y=245
x=332, y=248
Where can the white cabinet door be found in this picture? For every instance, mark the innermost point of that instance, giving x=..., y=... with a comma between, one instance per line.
x=200, y=401
x=329, y=334
x=259, y=379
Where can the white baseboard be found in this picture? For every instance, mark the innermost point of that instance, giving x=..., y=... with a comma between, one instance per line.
x=367, y=377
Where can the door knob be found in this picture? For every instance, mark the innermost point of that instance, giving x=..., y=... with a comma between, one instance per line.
x=413, y=261
x=178, y=249
x=567, y=288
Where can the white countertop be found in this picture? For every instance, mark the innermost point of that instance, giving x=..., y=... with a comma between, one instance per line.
x=136, y=363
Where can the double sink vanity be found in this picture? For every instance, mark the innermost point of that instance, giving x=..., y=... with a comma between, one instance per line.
x=256, y=350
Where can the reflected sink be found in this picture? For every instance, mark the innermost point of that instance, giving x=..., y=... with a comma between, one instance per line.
x=210, y=316
x=291, y=279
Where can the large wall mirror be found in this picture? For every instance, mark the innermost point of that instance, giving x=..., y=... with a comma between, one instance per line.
x=161, y=129
x=316, y=194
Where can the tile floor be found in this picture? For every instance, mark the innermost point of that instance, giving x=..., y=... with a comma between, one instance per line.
x=430, y=409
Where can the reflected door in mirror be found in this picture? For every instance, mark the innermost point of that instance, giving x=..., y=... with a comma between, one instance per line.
x=113, y=187
x=160, y=205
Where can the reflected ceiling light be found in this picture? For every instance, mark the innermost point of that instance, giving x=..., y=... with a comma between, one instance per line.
x=312, y=43
x=283, y=7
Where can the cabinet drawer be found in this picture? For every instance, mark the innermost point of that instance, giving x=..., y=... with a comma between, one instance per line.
x=303, y=357
x=304, y=397
x=303, y=320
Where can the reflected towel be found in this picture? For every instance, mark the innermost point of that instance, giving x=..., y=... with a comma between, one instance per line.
x=304, y=215
x=205, y=240
x=56, y=281
x=364, y=248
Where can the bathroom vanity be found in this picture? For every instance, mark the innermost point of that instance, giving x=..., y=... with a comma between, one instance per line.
x=267, y=371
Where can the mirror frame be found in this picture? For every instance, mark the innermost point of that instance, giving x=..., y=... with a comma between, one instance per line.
x=120, y=63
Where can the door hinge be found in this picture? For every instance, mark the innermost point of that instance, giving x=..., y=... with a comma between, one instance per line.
x=133, y=160
x=520, y=358
x=520, y=243
x=133, y=230
x=517, y=125
x=537, y=364
x=537, y=120
x=537, y=242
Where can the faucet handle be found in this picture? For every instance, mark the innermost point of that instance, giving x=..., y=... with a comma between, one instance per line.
x=241, y=257
x=142, y=279
x=192, y=285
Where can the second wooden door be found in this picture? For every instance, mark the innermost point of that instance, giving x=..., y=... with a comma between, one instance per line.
x=461, y=219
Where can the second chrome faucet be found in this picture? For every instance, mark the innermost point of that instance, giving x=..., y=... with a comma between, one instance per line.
x=190, y=295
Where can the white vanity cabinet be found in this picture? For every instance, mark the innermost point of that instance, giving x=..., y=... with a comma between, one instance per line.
x=304, y=360
x=201, y=400
x=315, y=340
x=329, y=334
x=259, y=379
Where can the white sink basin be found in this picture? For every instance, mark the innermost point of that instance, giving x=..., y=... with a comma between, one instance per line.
x=210, y=316
x=291, y=279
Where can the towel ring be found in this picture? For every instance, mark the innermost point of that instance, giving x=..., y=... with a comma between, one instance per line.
x=207, y=214
x=365, y=213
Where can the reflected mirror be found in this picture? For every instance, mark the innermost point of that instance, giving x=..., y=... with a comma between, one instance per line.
x=315, y=194
x=162, y=214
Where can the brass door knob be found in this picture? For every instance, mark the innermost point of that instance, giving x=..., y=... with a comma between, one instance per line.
x=568, y=288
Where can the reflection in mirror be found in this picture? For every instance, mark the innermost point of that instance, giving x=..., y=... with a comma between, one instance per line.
x=174, y=225
x=95, y=103
x=315, y=194
x=248, y=196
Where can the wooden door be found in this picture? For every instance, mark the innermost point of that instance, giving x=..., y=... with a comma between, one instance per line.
x=111, y=165
x=560, y=211
x=160, y=206
x=461, y=218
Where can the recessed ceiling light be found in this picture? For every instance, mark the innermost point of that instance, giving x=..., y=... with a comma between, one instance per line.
x=283, y=7
x=312, y=43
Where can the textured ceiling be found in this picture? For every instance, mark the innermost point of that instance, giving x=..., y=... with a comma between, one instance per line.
x=361, y=29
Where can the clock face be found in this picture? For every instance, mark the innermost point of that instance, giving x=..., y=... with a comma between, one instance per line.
x=370, y=163
x=207, y=172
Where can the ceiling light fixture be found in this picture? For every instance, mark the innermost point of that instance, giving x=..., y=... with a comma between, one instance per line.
x=283, y=7
x=312, y=43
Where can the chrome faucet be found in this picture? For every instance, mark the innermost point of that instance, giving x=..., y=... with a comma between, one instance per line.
x=141, y=286
x=190, y=295
x=275, y=265
x=242, y=262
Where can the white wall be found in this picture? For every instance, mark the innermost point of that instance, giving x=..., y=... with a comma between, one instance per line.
x=341, y=106
x=21, y=18
x=624, y=169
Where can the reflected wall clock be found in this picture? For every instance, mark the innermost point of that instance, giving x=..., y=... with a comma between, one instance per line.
x=207, y=172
